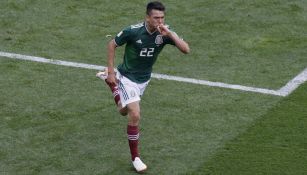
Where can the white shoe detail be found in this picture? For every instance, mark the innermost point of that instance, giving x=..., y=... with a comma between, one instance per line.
x=103, y=74
x=139, y=165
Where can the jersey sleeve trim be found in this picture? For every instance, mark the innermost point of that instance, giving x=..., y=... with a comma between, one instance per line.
x=115, y=43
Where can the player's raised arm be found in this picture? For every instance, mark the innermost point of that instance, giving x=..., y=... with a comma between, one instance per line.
x=180, y=43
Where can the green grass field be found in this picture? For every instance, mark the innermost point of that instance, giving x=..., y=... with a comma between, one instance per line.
x=61, y=120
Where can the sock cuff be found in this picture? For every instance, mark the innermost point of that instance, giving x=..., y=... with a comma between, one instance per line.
x=132, y=130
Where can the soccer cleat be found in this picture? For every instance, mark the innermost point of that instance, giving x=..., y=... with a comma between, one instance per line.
x=139, y=165
x=103, y=74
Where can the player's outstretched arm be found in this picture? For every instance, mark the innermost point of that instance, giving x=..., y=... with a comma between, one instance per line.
x=180, y=43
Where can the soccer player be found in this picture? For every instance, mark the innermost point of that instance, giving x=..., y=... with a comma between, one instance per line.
x=144, y=42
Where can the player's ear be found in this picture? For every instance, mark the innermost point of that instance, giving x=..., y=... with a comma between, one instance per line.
x=147, y=18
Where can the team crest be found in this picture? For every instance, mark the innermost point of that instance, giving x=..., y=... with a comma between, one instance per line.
x=159, y=39
x=132, y=93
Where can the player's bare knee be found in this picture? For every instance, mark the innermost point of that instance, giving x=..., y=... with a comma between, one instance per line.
x=135, y=116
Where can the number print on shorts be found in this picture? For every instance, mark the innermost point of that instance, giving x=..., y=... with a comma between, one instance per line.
x=147, y=52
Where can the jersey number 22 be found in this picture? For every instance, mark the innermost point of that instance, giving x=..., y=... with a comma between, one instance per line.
x=147, y=52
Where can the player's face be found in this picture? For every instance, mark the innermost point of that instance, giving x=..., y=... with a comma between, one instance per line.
x=155, y=18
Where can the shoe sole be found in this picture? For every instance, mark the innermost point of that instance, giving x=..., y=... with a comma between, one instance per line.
x=141, y=171
x=101, y=75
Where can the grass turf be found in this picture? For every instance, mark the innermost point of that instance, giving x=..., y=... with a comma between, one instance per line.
x=57, y=120
x=63, y=120
x=256, y=43
x=274, y=144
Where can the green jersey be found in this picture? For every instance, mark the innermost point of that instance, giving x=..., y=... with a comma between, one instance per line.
x=141, y=51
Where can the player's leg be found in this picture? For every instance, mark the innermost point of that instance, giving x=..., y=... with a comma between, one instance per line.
x=115, y=91
x=128, y=103
x=133, y=135
x=114, y=88
x=133, y=128
x=130, y=93
x=134, y=113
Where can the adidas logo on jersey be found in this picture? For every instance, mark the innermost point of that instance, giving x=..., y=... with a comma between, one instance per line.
x=139, y=41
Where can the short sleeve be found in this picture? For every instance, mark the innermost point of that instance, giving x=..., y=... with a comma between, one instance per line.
x=168, y=40
x=123, y=36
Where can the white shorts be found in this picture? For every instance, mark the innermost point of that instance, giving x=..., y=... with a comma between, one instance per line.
x=129, y=91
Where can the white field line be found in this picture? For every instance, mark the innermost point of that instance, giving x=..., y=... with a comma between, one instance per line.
x=294, y=83
x=50, y=61
x=217, y=84
x=284, y=91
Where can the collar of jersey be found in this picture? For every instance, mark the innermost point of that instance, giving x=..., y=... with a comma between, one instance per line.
x=150, y=33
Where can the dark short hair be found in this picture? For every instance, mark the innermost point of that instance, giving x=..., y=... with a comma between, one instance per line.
x=154, y=5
